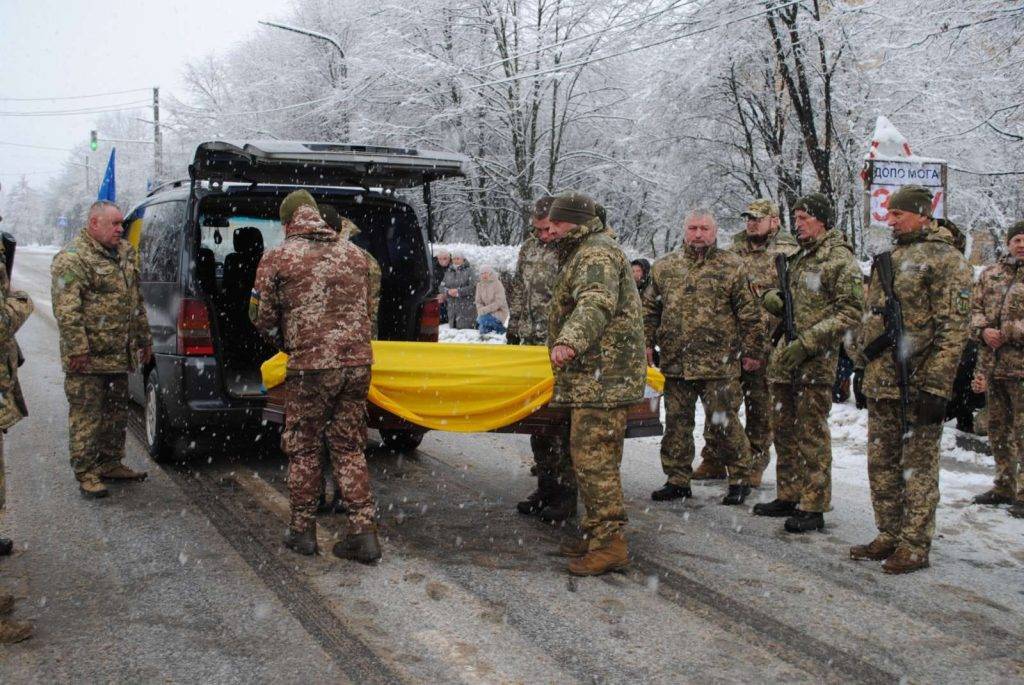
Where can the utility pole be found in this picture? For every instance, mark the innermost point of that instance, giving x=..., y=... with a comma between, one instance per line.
x=87, y=173
x=158, y=143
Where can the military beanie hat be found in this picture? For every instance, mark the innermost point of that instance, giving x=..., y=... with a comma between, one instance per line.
x=761, y=208
x=913, y=199
x=818, y=206
x=294, y=200
x=1016, y=229
x=542, y=206
x=575, y=208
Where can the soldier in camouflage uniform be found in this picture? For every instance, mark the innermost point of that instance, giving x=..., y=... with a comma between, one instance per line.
x=555, y=498
x=104, y=334
x=757, y=247
x=997, y=322
x=312, y=299
x=699, y=304
x=932, y=282
x=595, y=334
x=827, y=290
x=15, y=308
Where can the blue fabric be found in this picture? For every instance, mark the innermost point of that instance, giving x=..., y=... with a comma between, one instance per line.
x=108, y=189
x=489, y=323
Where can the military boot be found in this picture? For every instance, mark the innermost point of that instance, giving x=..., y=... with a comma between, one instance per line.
x=608, y=556
x=1017, y=510
x=539, y=498
x=878, y=549
x=361, y=547
x=992, y=497
x=904, y=560
x=119, y=471
x=574, y=548
x=804, y=521
x=6, y=603
x=14, y=631
x=777, y=508
x=90, y=485
x=561, y=507
x=709, y=470
x=671, y=492
x=303, y=542
x=737, y=494
x=6, y=547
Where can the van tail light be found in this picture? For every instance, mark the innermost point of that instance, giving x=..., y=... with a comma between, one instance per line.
x=194, y=336
x=430, y=320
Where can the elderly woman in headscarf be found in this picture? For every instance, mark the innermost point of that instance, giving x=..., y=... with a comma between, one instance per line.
x=641, y=274
x=491, y=304
x=459, y=289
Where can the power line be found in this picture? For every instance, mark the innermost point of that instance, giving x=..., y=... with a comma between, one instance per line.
x=74, y=97
x=37, y=147
x=206, y=112
x=600, y=58
x=116, y=107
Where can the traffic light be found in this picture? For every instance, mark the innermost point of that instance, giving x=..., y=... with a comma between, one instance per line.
x=93, y=140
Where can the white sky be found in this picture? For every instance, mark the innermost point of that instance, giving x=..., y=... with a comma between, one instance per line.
x=57, y=48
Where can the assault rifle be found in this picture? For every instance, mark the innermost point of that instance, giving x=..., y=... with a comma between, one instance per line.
x=893, y=338
x=787, y=326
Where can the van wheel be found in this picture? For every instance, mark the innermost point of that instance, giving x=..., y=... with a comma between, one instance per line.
x=159, y=440
x=401, y=440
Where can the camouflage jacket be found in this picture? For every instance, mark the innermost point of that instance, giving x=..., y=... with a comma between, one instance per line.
x=998, y=302
x=15, y=309
x=595, y=310
x=933, y=284
x=828, y=298
x=700, y=311
x=759, y=265
x=311, y=297
x=536, y=272
x=98, y=305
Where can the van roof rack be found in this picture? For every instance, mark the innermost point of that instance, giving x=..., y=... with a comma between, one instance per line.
x=176, y=183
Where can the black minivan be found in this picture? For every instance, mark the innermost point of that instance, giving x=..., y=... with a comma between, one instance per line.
x=200, y=240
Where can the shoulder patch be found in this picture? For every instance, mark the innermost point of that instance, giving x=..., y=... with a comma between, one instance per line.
x=961, y=300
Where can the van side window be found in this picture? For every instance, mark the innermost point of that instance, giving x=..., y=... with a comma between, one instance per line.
x=160, y=241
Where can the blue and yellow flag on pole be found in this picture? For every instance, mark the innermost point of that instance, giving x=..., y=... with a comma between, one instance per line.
x=108, y=189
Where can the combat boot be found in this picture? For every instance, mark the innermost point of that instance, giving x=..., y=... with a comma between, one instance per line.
x=709, y=471
x=876, y=550
x=609, y=556
x=671, y=492
x=14, y=631
x=6, y=547
x=777, y=508
x=905, y=561
x=1017, y=510
x=119, y=471
x=804, y=521
x=6, y=603
x=89, y=485
x=737, y=494
x=574, y=548
x=539, y=498
x=561, y=507
x=992, y=497
x=301, y=542
x=361, y=547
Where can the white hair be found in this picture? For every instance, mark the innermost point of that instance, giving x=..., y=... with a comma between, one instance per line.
x=99, y=206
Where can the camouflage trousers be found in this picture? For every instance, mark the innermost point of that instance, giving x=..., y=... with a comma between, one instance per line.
x=554, y=465
x=97, y=419
x=328, y=409
x=1005, y=402
x=3, y=482
x=757, y=402
x=803, y=444
x=596, y=439
x=904, y=475
x=720, y=398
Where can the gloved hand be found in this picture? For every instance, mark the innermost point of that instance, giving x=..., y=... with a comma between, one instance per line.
x=931, y=409
x=512, y=339
x=772, y=302
x=858, y=389
x=792, y=356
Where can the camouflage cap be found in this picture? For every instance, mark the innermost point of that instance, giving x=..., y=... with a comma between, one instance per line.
x=760, y=208
x=818, y=206
x=913, y=199
x=572, y=207
x=1014, y=230
x=542, y=206
x=294, y=200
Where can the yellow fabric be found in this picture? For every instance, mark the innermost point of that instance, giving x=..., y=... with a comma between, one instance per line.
x=463, y=388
